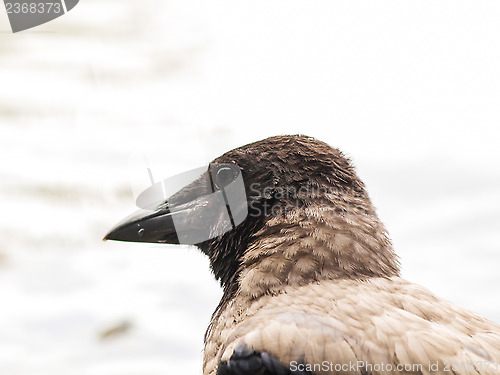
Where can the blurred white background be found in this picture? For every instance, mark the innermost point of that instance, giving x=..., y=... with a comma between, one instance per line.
x=409, y=90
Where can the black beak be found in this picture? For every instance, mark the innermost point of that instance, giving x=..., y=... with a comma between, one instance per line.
x=198, y=212
x=146, y=226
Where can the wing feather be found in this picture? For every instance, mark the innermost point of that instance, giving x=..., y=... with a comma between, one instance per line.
x=387, y=322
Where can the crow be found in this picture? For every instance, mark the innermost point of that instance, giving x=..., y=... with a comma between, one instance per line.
x=311, y=283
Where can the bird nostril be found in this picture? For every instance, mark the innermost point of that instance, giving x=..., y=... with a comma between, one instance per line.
x=140, y=232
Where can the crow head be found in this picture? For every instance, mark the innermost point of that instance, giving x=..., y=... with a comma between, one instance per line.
x=284, y=210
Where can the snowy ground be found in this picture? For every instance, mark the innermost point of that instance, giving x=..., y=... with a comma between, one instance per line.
x=410, y=92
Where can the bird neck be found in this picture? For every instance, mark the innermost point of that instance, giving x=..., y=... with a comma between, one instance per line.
x=315, y=243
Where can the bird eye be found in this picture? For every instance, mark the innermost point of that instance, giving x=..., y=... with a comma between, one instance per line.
x=224, y=176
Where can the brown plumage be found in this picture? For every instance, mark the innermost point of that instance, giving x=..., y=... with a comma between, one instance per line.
x=311, y=282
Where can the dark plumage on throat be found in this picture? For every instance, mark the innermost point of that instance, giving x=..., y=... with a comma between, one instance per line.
x=290, y=182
